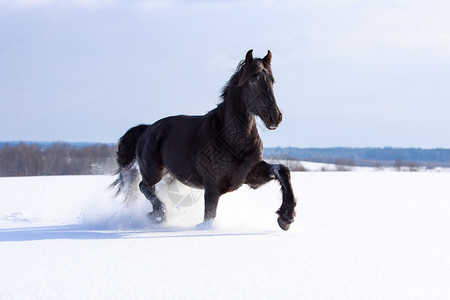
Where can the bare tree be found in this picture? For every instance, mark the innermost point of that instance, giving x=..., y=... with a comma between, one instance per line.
x=58, y=159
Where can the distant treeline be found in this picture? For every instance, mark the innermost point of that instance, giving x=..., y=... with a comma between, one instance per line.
x=366, y=156
x=33, y=159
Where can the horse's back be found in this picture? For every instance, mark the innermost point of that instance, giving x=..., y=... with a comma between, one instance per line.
x=180, y=130
x=172, y=143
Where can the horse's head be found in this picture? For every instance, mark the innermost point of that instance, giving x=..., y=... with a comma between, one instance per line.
x=256, y=81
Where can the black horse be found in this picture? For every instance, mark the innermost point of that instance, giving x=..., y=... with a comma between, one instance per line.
x=217, y=152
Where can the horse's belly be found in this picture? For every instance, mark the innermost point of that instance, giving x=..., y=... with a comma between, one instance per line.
x=190, y=180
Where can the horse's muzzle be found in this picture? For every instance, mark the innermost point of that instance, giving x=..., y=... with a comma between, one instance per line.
x=274, y=122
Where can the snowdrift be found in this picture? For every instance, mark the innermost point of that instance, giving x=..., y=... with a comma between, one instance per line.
x=357, y=235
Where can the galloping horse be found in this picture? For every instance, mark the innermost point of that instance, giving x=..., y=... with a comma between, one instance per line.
x=217, y=152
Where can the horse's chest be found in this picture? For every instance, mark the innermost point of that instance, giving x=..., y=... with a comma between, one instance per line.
x=217, y=164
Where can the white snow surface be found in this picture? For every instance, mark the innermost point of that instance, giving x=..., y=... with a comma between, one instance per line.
x=357, y=235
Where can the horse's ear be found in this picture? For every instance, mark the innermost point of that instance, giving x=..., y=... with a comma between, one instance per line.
x=249, y=57
x=268, y=58
x=245, y=76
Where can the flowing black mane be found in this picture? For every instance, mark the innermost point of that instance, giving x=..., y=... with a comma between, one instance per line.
x=232, y=81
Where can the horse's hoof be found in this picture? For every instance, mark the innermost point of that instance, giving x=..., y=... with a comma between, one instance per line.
x=206, y=225
x=285, y=226
x=156, y=217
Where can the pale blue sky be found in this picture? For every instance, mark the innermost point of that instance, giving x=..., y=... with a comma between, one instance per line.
x=348, y=72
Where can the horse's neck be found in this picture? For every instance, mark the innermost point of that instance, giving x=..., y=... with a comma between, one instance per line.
x=238, y=122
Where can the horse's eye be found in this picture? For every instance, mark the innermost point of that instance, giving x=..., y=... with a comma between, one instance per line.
x=253, y=82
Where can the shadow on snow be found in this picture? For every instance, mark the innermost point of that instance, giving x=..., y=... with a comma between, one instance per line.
x=77, y=232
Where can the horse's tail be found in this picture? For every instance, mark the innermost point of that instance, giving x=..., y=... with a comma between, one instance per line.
x=126, y=158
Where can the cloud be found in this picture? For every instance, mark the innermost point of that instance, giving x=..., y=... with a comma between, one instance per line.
x=88, y=4
x=142, y=5
x=25, y=3
x=153, y=5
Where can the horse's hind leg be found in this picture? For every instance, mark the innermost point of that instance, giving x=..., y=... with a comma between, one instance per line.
x=212, y=195
x=147, y=187
x=263, y=173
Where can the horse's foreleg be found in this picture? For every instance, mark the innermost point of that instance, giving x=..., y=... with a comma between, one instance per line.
x=263, y=173
x=211, y=201
x=287, y=210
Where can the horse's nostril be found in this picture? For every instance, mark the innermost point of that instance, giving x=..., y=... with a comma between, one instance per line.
x=280, y=117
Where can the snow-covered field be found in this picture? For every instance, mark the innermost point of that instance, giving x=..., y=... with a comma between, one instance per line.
x=358, y=235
